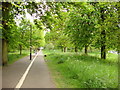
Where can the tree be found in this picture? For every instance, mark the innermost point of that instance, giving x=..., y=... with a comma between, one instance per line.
x=7, y=17
x=38, y=34
x=107, y=22
x=56, y=23
x=10, y=11
x=80, y=26
x=24, y=35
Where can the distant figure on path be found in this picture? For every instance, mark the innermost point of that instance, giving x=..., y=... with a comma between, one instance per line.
x=35, y=51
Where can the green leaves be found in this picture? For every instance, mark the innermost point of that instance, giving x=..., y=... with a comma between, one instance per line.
x=80, y=26
x=70, y=23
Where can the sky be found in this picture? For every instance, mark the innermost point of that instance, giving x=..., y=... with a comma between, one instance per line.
x=29, y=17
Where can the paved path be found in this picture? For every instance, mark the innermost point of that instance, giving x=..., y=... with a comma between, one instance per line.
x=37, y=77
x=0, y=77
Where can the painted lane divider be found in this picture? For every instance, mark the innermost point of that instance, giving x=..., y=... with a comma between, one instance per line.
x=25, y=74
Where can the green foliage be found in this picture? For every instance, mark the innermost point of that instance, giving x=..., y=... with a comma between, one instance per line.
x=71, y=24
x=7, y=20
x=19, y=36
x=18, y=29
x=56, y=24
x=38, y=39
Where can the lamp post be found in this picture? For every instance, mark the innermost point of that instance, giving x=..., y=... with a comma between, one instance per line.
x=30, y=42
x=119, y=41
x=118, y=57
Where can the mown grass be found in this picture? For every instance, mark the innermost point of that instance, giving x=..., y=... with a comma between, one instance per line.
x=14, y=56
x=71, y=70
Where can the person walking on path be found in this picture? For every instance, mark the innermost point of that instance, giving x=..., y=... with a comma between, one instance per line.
x=35, y=51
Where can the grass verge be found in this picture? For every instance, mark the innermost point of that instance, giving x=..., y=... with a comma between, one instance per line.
x=15, y=56
x=70, y=70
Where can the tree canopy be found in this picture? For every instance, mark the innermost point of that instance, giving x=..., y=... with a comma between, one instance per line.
x=62, y=24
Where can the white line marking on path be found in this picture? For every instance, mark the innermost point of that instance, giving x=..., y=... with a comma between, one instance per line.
x=25, y=74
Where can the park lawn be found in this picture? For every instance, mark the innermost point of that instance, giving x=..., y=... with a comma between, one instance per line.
x=15, y=56
x=71, y=70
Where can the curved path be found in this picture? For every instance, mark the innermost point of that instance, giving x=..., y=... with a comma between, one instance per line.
x=38, y=75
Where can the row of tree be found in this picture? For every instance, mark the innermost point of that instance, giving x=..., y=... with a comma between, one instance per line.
x=68, y=24
x=82, y=24
x=19, y=29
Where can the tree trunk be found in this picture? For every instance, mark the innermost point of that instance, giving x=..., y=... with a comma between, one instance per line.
x=103, y=46
x=103, y=36
x=86, y=49
x=76, y=49
x=20, y=49
x=4, y=52
x=65, y=49
x=6, y=7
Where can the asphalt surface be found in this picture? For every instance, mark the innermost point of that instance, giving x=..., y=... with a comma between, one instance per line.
x=0, y=77
x=11, y=74
x=37, y=77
